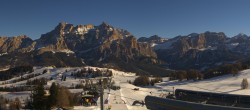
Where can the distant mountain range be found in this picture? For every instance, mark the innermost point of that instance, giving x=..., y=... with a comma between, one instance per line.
x=69, y=45
x=202, y=51
x=107, y=46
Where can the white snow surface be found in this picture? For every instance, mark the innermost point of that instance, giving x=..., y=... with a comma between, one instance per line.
x=67, y=51
x=165, y=45
x=153, y=44
x=222, y=84
x=1, y=54
x=64, y=51
x=122, y=99
x=232, y=45
x=208, y=48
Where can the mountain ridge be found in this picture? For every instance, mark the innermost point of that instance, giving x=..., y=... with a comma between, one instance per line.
x=106, y=46
x=69, y=45
x=204, y=50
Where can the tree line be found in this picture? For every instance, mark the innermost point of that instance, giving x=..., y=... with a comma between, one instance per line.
x=186, y=75
x=15, y=89
x=146, y=81
x=225, y=69
x=7, y=104
x=37, y=81
x=58, y=96
x=22, y=78
x=14, y=72
x=193, y=74
x=90, y=72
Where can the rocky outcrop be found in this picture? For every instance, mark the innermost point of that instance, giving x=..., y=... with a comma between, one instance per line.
x=69, y=45
x=198, y=42
x=203, y=50
x=54, y=40
x=16, y=44
x=107, y=46
x=152, y=39
x=195, y=41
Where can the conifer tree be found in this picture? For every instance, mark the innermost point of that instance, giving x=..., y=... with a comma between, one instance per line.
x=39, y=98
x=244, y=84
x=53, y=94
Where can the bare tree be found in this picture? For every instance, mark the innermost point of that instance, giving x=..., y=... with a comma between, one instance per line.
x=63, y=97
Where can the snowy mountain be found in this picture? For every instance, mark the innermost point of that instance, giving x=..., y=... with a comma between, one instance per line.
x=16, y=44
x=69, y=45
x=152, y=39
x=204, y=50
x=107, y=46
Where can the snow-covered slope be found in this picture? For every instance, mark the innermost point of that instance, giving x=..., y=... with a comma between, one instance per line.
x=119, y=100
x=223, y=84
x=165, y=45
x=123, y=99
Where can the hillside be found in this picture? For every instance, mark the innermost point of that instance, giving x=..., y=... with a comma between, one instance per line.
x=223, y=84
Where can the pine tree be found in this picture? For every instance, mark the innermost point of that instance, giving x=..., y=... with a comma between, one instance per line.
x=45, y=71
x=141, y=81
x=64, y=79
x=53, y=94
x=152, y=82
x=17, y=104
x=39, y=98
x=244, y=84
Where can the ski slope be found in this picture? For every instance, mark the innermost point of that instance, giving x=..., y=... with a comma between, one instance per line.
x=223, y=84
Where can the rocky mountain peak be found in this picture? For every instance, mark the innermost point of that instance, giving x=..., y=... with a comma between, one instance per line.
x=155, y=37
x=194, y=41
x=212, y=38
x=152, y=39
x=68, y=45
x=105, y=45
x=241, y=36
x=104, y=24
x=22, y=37
x=105, y=27
x=15, y=44
x=193, y=35
x=241, y=41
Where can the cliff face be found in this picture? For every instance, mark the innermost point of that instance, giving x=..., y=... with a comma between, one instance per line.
x=94, y=43
x=16, y=44
x=199, y=41
x=204, y=50
x=105, y=45
x=69, y=45
x=128, y=47
x=152, y=39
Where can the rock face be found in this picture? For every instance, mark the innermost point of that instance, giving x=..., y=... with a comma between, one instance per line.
x=107, y=46
x=16, y=44
x=69, y=45
x=203, y=50
x=152, y=39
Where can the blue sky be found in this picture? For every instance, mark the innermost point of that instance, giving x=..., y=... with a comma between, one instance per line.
x=166, y=18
